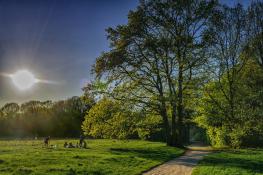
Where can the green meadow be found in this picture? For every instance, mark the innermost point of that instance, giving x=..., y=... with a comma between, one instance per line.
x=232, y=162
x=101, y=157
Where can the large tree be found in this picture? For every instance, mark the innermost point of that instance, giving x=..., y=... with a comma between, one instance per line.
x=154, y=57
x=213, y=113
x=224, y=106
x=228, y=36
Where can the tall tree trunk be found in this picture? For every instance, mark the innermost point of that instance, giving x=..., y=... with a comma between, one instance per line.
x=174, y=134
x=180, y=106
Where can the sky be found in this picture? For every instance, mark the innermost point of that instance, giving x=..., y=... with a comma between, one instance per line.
x=56, y=40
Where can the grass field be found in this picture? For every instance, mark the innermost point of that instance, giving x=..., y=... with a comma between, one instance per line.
x=101, y=157
x=232, y=162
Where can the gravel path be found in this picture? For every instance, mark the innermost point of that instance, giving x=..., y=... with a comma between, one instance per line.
x=179, y=166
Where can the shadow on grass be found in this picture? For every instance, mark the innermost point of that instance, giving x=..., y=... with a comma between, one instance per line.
x=151, y=154
x=72, y=171
x=255, y=166
x=247, y=152
x=23, y=171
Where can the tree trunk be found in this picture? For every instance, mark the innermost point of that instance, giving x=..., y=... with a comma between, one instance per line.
x=166, y=125
x=174, y=134
x=180, y=107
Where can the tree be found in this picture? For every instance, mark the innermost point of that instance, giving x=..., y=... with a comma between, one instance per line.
x=228, y=35
x=10, y=109
x=255, y=17
x=109, y=119
x=67, y=117
x=246, y=128
x=154, y=56
x=10, y=116
x=36, y=118
x=230, y=107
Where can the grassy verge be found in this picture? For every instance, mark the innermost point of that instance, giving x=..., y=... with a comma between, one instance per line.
x=232, y=162
x=101, y=157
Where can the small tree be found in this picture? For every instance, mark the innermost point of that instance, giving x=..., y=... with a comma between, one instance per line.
x=109, y=119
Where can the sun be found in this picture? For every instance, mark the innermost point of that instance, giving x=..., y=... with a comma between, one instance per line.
x=23, y=79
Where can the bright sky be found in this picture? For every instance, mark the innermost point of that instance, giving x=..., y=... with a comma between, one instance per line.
x=56, y=40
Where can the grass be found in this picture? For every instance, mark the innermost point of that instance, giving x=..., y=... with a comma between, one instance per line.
x=232, y=162
x=102, y=157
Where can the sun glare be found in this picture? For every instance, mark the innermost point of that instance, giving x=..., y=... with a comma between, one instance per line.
x=23, y=79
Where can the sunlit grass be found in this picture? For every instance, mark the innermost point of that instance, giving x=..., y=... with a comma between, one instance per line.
x=232, y=162
x=101, y=157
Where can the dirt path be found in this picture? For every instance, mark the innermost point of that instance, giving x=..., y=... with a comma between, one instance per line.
x=180, y=166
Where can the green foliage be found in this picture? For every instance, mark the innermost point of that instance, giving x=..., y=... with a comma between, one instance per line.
x=180, y=59
x=217, y=136
x=149, y=126
x=105, y=157
x=35, y=119
x=213, y=110
x=198, y=134
x=107, y=119
x=111, y=119
x=153, y=57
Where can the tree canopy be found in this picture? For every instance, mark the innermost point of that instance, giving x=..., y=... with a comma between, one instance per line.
x=187, y=62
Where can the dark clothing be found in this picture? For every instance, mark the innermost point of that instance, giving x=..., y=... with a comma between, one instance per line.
x=46, y=141
x=81, y=140
x=65, y=145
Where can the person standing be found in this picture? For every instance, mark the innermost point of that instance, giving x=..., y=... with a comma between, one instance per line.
x=81, y=140
x=46, y=141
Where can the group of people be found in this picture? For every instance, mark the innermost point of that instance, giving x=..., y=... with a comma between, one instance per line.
x=78, y=145
x=81, y=144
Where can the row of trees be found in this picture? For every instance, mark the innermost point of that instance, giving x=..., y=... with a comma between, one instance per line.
x=105, y=118
x=36, y=119
x=186, y=61
x=174, y=64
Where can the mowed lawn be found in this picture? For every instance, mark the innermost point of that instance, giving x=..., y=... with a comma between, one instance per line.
x=101, y=157
x=232, y=162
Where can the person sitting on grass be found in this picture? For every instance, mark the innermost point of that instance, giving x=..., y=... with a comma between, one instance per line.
x=70, y=145
x=46, y=141
x=65, y=144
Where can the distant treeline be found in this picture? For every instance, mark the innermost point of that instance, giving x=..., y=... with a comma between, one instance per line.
x=106, y=118
x=36, y=118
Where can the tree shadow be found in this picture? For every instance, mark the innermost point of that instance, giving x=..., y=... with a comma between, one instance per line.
x=152, y=154
x=255, y=166
x=248, y=152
